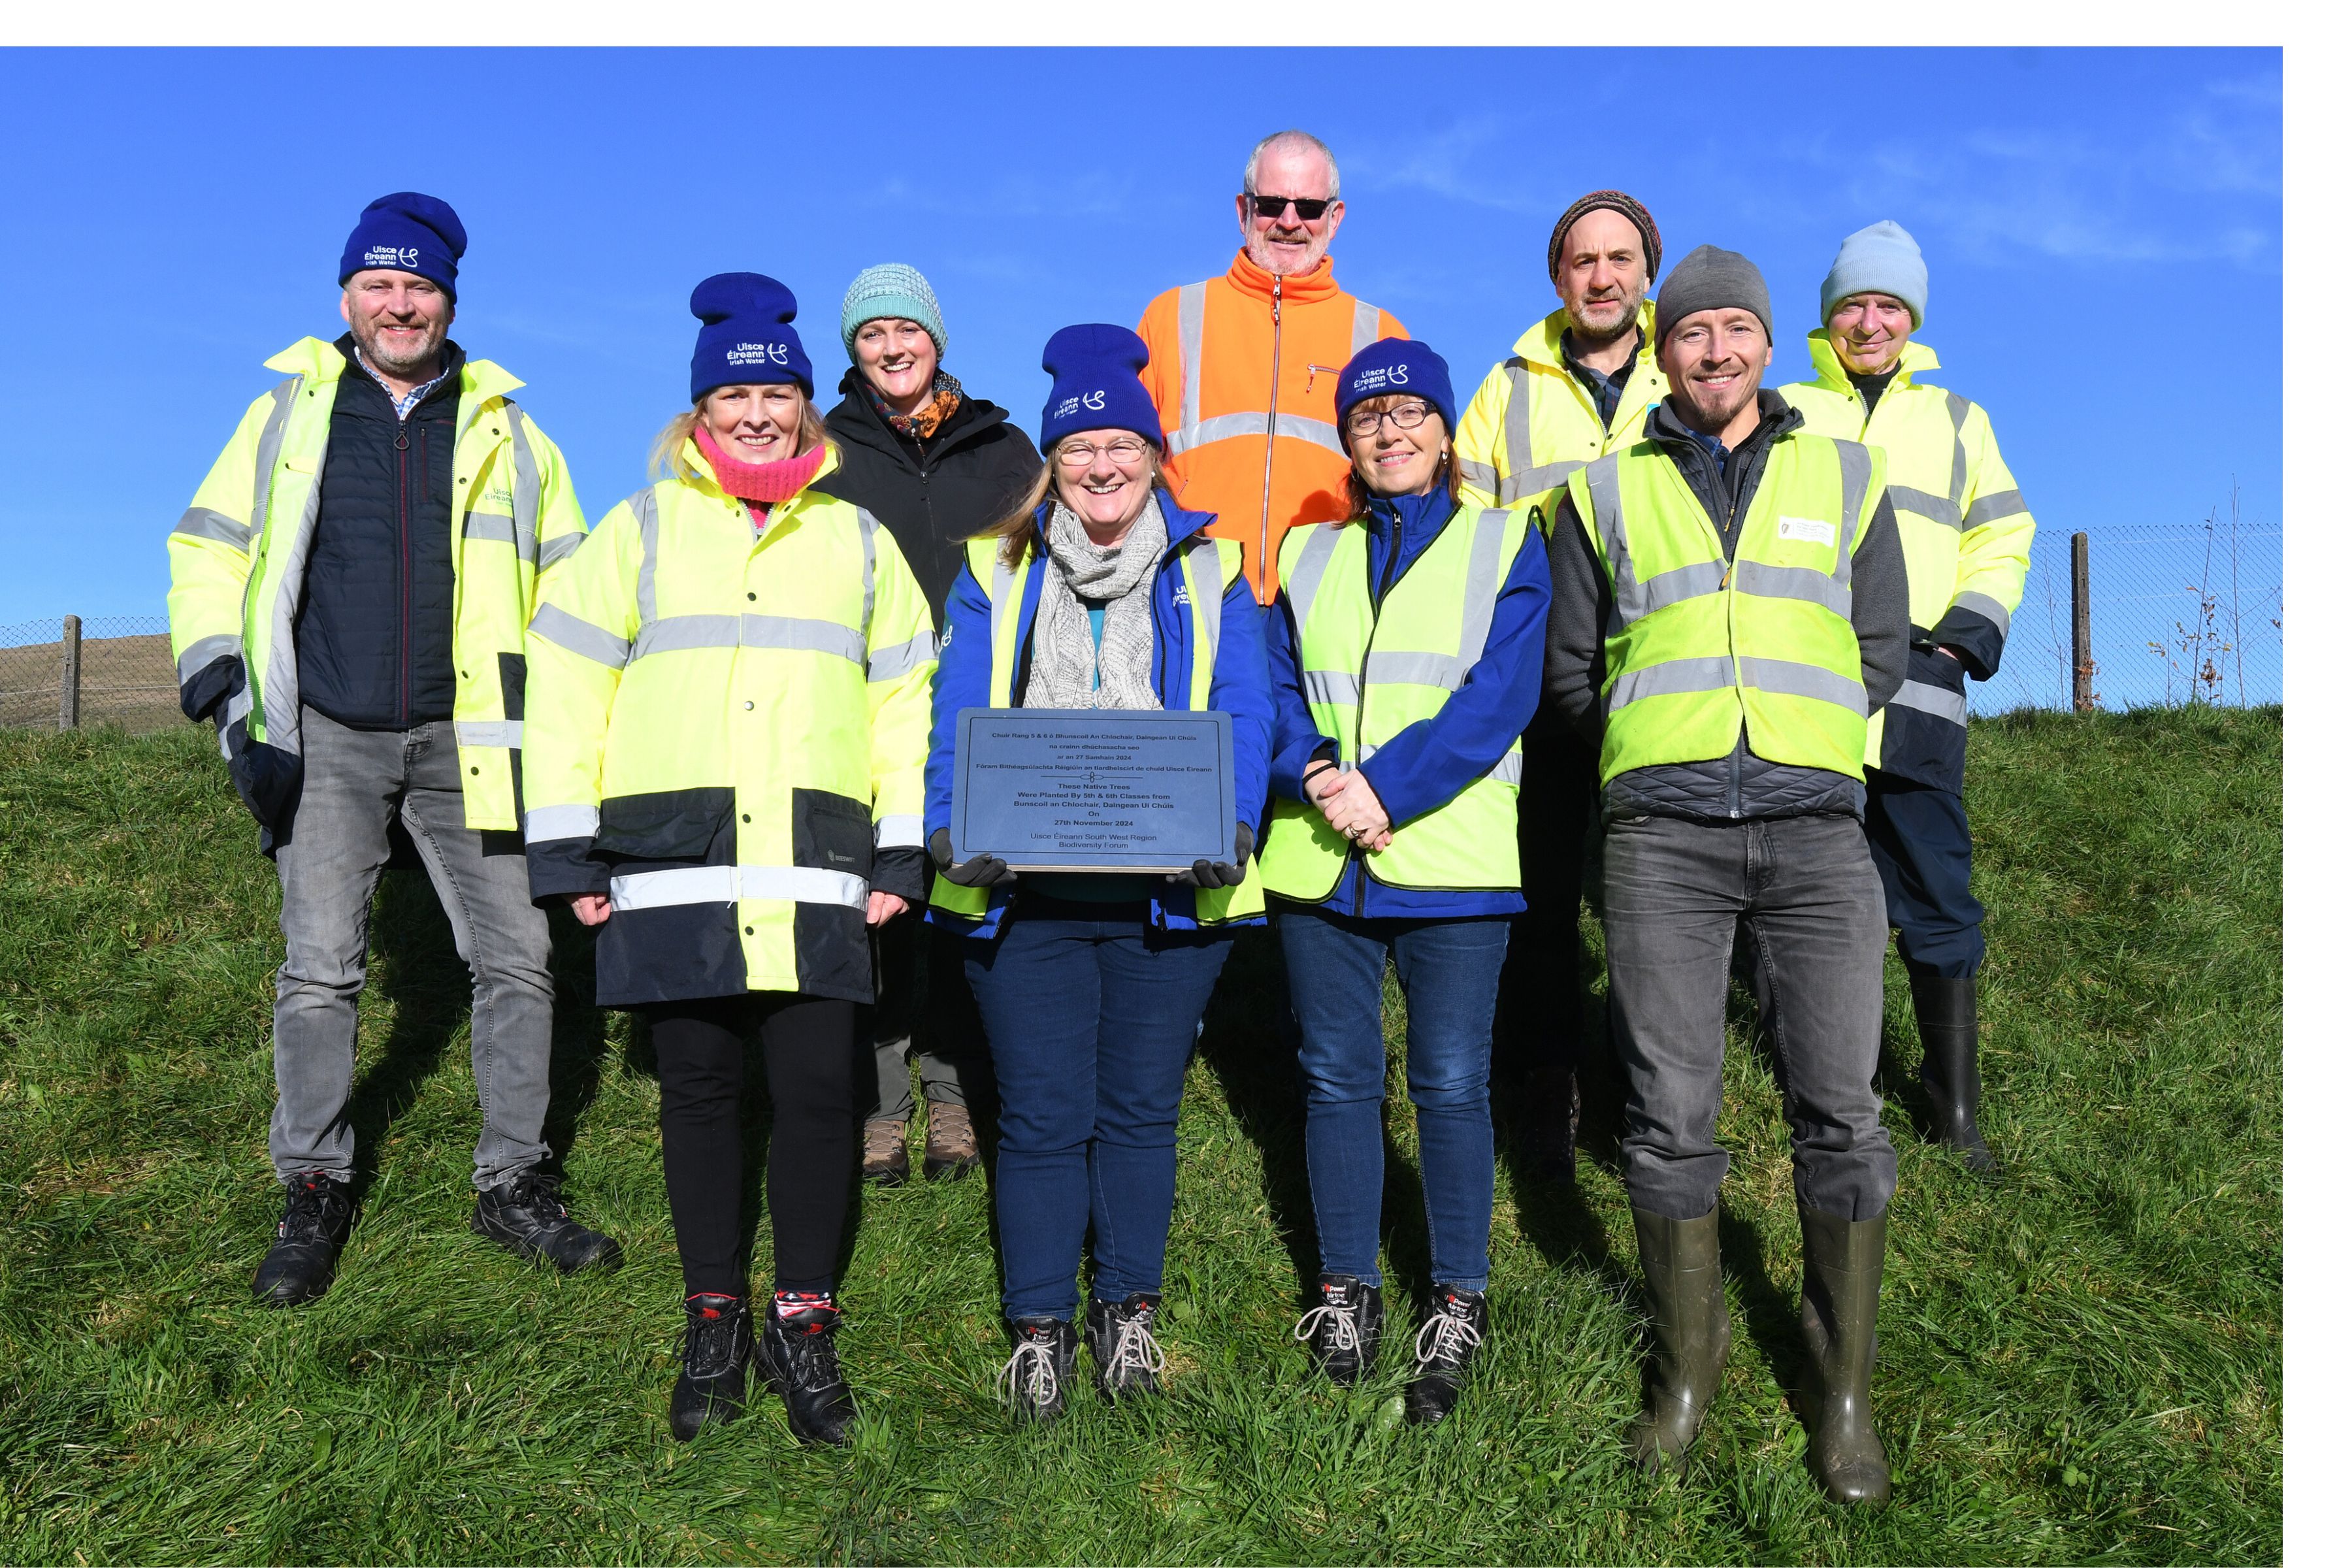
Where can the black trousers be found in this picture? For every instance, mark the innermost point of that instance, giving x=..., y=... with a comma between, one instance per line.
x=1540, y=1013
x=810, y=1044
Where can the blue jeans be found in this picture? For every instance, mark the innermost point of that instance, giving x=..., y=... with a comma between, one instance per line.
x=1449, y=970
x=1090, y=1017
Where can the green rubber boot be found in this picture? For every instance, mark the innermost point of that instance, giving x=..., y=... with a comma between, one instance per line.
x=1844, y=1260
x=1682, y=1276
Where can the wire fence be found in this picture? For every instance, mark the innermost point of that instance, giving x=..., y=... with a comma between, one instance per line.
x=117, y=671
x=2179, y=612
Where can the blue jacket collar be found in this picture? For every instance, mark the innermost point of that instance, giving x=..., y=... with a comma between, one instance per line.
x=1425, y=518
x=1181, y=524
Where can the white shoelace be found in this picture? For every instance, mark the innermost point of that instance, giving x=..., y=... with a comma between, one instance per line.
x=1037, y=1357
x=1342, y=1323
x=1133, y=1350
x=1445, y=1335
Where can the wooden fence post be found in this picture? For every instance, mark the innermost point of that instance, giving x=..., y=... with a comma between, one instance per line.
x=2085, y=699
x=69, y=677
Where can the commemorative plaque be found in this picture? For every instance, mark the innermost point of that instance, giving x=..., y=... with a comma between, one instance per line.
x=1051, y=789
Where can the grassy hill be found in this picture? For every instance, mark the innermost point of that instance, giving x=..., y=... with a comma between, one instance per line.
x=2083, y=1366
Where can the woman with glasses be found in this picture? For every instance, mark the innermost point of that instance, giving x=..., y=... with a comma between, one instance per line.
x=1406, y=650
x=1095, y=593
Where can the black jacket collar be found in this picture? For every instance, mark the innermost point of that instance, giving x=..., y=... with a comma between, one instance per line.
x=854, y=418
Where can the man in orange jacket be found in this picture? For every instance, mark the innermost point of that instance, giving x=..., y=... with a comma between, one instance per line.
x=1244, y=366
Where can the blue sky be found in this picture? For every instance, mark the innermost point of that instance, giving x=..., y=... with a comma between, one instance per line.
x=2102, y=229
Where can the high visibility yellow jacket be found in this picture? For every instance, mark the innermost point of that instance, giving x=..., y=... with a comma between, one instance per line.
x=727, y=735
x=1531, y=423
x=1967, y=539
x=1702, y=651
x=241, y=552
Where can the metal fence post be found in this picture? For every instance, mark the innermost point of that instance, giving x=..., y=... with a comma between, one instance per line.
x=69, y=677
x=2085, y=698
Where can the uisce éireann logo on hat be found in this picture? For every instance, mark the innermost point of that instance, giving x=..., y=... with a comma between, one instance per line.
x=389, y=256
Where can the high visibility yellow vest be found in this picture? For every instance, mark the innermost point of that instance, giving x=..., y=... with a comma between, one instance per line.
x=1968, y=536
x=1210, y=567
x=241, y=552
x=754, y=709
x=1698, y=646
x=1531, y=423
x=1369, y=673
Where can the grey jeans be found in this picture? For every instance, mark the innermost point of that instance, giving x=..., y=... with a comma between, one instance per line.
x=1673, y=890
x=354, y=781
x=923, y=1010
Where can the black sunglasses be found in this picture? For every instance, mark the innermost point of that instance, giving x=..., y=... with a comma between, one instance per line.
x=1309, y=207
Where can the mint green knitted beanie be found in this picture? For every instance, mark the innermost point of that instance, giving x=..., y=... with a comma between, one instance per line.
x=891, y=289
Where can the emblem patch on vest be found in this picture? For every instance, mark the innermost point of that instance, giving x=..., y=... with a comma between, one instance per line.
x=1812, y=530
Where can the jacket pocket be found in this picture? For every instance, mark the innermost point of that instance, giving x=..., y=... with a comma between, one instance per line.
x=664, y=825
x=832, y=832
x=1922, y=744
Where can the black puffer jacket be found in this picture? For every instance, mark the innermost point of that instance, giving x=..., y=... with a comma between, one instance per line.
x=931, y=495
x=1739, y=785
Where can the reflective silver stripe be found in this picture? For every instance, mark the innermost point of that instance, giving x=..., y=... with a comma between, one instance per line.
x=1227, y=426
x=557, y=548
x=1985, y=604
x=797, y=634
x=1480, y=584
x=1306, y=572
x=1993, y=508
x=1794, y=582
x=734, y=884
x=542, y=824
x=900, y=830
x=1950, y=706
x=281, y=691
x=265, y=456
x=1482, y=476
x=525, y=493
x=1934, y=507
x=902, y=658
x=1332, y=688
x=504, y=733
x=202, y=652
x=489, y=525
x=1209, y=575
x=868, y=525
x=1789, y=678
x=1192, y=306
x=1392, y=669
x=1535, y=481
x=1959, y=407
x=676, y=634
x=1652, y=595
x=1000, y=582
x=570, y=633
x=240, y=704
x=1367, y=329
x=646, y=505
x=1675, y=677
x=1508, y=771
x=1630, y=598
x=204, y=522
x=1519, y=440
x=1854, y=475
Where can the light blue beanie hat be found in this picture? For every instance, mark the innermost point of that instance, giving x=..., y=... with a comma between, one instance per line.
x=891, y=289
x=1881, y=259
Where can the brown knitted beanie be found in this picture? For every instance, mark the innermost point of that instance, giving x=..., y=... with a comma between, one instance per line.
x=1616, y=201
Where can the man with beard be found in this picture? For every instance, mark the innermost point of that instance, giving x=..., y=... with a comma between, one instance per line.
x=1729, y=607
x=349, y=594
x=1578, y=383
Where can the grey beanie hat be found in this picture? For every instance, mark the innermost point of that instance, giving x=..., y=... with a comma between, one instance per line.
x=1881, y=259
x=1711, y=279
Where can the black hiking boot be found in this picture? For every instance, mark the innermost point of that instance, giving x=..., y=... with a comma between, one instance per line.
x=1342, y=1329
x=1449, y=1337
x=527, y=1218
x=717, y=1342
x=1128, y=1359
x=310, y=1234
x=1682, y=1276
x=800, y=1367
x=1844, y=1261
x=1947, y=1011
x=1037, y=1378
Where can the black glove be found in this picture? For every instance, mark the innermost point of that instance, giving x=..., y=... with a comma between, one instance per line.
x=980, y=871
x=1221, y=873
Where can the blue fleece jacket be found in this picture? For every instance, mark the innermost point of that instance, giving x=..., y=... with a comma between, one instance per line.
x=1428, y=762
x=1237, y=686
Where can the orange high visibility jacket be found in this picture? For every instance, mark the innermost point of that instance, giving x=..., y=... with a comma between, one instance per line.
x=1243, y=371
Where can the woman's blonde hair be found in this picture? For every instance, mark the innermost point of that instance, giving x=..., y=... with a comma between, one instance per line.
x=1018, y=527
x=1449, y=468
x=679, y=434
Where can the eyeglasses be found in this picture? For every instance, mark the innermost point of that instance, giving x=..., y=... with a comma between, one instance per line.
x=1309, y=207
x=1404, y=416
x=1125, y=452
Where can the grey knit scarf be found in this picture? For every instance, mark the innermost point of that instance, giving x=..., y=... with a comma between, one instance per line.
x=1062, y=669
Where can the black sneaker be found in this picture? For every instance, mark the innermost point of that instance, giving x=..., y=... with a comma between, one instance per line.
x=1128, y=1359
x=799, y=1366
x=1342, y=1329
x=310, y=1234
x=709, y=1390
x=527, y=1218
x=1037, y=1378
x=1451, y=1335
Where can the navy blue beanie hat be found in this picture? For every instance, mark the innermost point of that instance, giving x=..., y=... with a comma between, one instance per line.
x=1397, y=366
x=408, y=232
x=747, y=338
x=1096, y=371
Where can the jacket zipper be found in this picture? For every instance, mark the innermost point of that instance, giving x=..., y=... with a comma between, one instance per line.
x=1377, y=594
x=407, y=569
x=1273, y=406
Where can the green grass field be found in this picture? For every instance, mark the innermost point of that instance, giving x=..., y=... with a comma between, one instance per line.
x=2083, y=1366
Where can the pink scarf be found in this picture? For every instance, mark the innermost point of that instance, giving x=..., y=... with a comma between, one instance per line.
x=760, y=486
